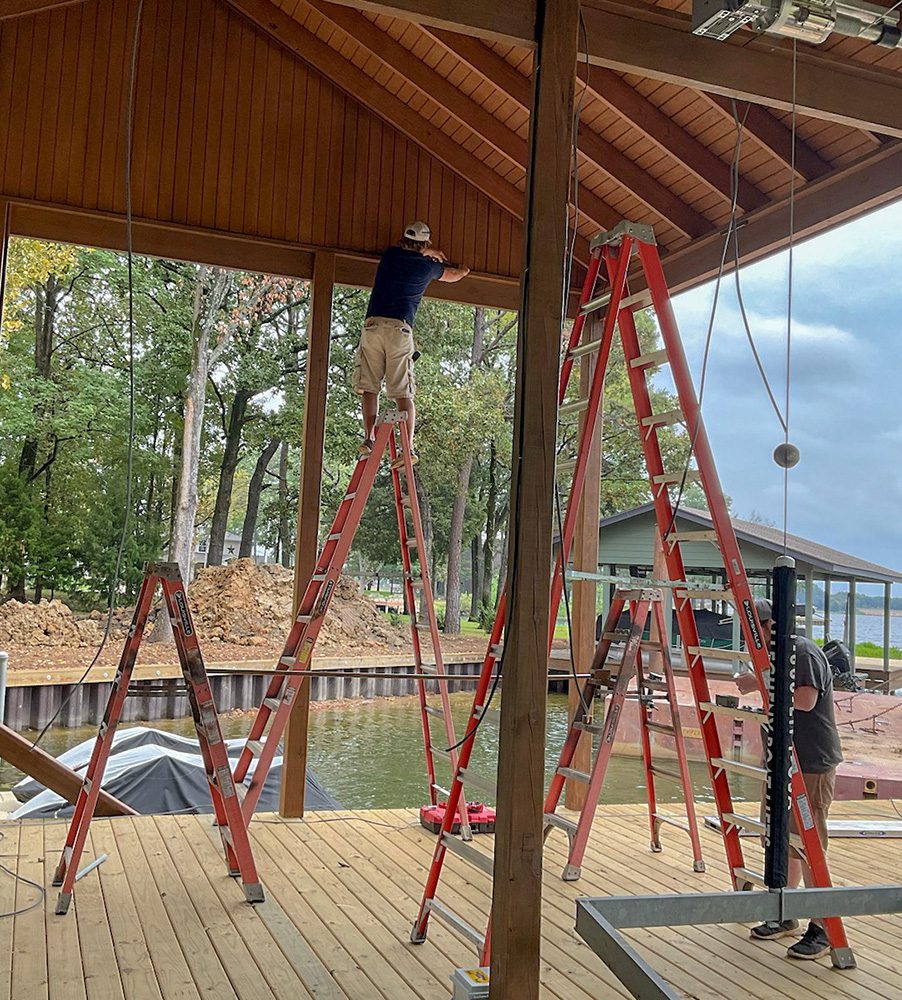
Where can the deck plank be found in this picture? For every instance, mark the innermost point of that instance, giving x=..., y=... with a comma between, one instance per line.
x=9, y=846
x=65, y=969
x=29, y=957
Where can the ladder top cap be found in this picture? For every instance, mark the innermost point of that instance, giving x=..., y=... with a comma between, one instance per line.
x=639, y=231
x=395, y=417
x=163, y=570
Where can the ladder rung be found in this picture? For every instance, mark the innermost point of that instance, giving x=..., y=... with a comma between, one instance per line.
x=664, y=419
x=432, y=710
x=561, y=822
x=334, y=537
x=664, y=772
x=652, y=358
x=349, y=496
x=458, y=923
x=272, y=703
x=572, y=772
x=479, y=781
x=490, y=715
x=651, y=644
x=589, y=347
x=683, y=594
x=287, y=661
x=654, y=685
x=660, y=727
x=442, y=791
x=743, y=714
x=437, y=752
x=589, y=727
x=738, y=767
x=255, y=747
x=712, y=653
x=691, y=536
x=756, y=826
x=577, y=406
x=304, y=619
x=411, y=543
x=497, y=649
x=405, y=500
x=621, y=635
x=747, y=875
x=568, y=465
x=428, y=668
x=675, y=478
x=672, y=821
x=463, y=850
x=318, y=577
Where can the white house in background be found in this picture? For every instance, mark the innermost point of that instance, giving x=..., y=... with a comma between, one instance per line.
x=230, y=550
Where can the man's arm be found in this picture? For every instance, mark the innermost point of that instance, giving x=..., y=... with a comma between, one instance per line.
x=805, y=698
x=453, y=273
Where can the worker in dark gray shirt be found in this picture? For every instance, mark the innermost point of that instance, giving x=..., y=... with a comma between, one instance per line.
x=818, y=750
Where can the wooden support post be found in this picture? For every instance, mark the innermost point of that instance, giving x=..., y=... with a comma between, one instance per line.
x=585, y=558
x=887, y=612
x=294, y=766
x=4, y=246
x=517, y=897
x=852, y=619
x=809, y=604
x=827, y=582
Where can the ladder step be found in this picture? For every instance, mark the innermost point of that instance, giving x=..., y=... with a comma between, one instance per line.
x=304, y=619
x=675, y=478
x=756, y=826
x=672, y=821
x=742, y=714
x=438, y=752
x=683, y=594
x=572, y=772
x=272, y=703
x=405, y=500
x=589, y=727
x=334, y=537
x=711, y=653
x=255, y=747
x=663, y=772
x=652, y=645
x=469, y=853
x=458, y=923
x=439, y=790
x=589, y=347
x=287, y=661
x=664, y=419
x=568, y=465
x=411, y=543
x=621, y=635
x=654, y=685
x=497, y=650
x=660, y=727
x=738, y=767
x=432, y=710
x=479, y=781
x=747, y=875
x=561, y=822
x=692, y=536
x=318, y=577
x=490, y=715
x=577, y=406
x=650, y=359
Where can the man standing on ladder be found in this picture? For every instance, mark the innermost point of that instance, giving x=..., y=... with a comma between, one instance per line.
x=817, y=746
x=386, y=350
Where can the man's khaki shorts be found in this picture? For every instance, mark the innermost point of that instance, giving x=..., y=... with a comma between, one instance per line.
x=820, y=797
x=385, y=352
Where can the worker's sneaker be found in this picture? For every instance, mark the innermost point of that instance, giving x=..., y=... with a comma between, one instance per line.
x=814, y=944
x=770, y=930
x=366, y=449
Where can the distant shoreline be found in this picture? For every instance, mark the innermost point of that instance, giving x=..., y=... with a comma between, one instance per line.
x=877, y=612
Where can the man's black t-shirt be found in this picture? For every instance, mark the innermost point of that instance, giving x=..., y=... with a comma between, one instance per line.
x=816, y=739
x=401, y=279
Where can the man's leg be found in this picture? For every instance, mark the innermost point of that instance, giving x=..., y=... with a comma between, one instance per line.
x=369, y=402
x=814, y=943
x=405, y=405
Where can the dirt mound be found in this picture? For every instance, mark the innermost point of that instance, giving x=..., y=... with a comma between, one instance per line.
x=50, y=623
x=250, y=605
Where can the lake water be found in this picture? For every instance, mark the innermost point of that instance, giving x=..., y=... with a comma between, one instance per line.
x=370, y=754
x=869, y=628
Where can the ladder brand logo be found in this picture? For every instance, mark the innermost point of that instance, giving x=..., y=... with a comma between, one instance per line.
x=612, y=724
x=752, y=624
x=184, y=617
x=324, y=600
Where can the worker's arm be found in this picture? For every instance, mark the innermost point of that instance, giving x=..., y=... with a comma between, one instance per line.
x=805, y=698
x=454, y=273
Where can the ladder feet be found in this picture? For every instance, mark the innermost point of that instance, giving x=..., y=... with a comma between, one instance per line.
x=571, y=873
x=655, y=848
x=698, y=865
x=65, y=898
x=253, y=892
x=843, y=958
x=417, y=934
x=59, y=875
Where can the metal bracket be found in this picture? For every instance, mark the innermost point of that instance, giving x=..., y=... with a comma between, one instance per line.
x=638, y=230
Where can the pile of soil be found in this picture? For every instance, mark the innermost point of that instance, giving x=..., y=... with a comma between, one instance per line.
x=250, y=605
x=49, y=623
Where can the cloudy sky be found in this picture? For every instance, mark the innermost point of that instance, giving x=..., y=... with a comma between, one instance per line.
x=846, y=386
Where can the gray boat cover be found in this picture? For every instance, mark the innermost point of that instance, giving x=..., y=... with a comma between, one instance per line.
x=157, y=772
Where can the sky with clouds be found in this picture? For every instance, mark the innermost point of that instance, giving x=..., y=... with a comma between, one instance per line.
x=845, y=386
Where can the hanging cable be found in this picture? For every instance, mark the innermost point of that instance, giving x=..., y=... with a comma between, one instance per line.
x=129, y=478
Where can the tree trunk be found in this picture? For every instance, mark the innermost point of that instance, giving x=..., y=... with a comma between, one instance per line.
x=491, y=529
x=428, y=536
x=284, y=519
x=230, y=456
x=502, y=569
x=209, y=294
x=475, y=577
x=254, y=492
x=455, y=546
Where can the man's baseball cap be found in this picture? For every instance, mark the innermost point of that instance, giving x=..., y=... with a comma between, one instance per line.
x=764, y=610
x=418, y=231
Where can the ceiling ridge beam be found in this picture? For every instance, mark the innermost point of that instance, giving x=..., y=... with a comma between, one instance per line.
x=622, y=98
x=344, y=75
x=22, y=8
x=600, y=153
x=468, y=112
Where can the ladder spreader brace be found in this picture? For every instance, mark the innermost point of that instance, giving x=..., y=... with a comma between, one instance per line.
x=611, y=253
x=223, y=790
x=390, y=434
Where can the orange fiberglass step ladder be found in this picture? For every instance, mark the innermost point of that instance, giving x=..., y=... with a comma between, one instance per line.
x=611, y=255
x=390, y=434
x=223, y=791
x=654, y=691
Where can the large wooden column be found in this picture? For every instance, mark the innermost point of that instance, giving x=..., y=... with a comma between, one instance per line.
x=585, y=559
x=294, y=767
x=4, y=244
x=517, y=899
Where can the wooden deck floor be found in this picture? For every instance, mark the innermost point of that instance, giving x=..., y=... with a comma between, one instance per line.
x=161, y=920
